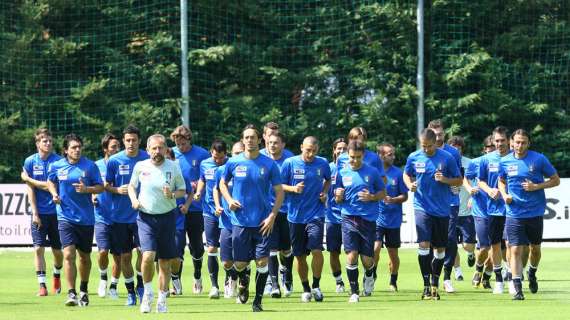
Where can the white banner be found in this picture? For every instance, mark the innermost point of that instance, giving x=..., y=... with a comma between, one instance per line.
x=15, y=215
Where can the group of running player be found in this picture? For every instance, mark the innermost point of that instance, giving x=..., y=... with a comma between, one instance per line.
x=272, y=207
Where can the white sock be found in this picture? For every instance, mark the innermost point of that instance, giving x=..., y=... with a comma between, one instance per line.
x=114, y=280
x=458, y=270
x=148, y=288
x=162, y=295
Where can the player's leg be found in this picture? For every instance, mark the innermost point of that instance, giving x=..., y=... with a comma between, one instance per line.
x=261, y=249
x=440, y=238
x=53, y=237
x=122, y=246
x=226, y=255
x=367, y=232
x=534, y=229
x=334, y=243
x=424, y=235
x=166, y=250
x=176, y=264
x=299, y=248
x=351, y=241
x=195, y=228
x=242, y=244
x=285, y=255
x=379, y=236
x=517, y=236
x=496, y=227
x=484, y=242
x=393, y=242
x=315, y=233
x=84, y=248
x=450, y=250
x=103, y=246
x=40, y=241
x=212, y=231
x=115, y=274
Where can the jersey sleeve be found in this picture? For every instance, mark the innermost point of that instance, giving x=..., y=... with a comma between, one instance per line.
x=94, y=175
x=326, y=171
x=452, y=168
x=275, y=175
x=228, y=171
x=29, y=167
x=409, y=168
x=482, y=170
x=472, y=171
x=502, y=171
x=52, y=173
x=286, y=172
x=218, y=177
x=134, y=176
x=111, y=172
x=546, y=167
x=402, y=189
x=202, y=172
x=338, y=180
x=378, y=182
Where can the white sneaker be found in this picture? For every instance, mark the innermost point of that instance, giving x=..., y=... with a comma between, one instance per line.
x=227, y=290
x=512, y=289
x=113, y=294
x=102, y=290
x=354, y=298
x=233, y=288
x=214, y=293
x=197, y=286
x=340, y=288
x=317, y=294
x=448, y=286
x=368, y=286
x=146, y=303
x=177, y=286
x=458, y=275
x=306, y=297
x=161, y=306
x=268, y=287
x=499, y=287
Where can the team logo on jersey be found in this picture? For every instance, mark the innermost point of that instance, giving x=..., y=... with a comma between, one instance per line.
x=61, y=174
x=392, y=182
x=241, y=171
x=333, y=179
x=38, y=170
x=194, y=162
x=366, y=179
x=124, y=169
x=493, y=167
x=319, y=172
x=83, y=174
x=261, y=170
x=299, y=174
x=420, y=167
x=531, y=168
x=512, y=170
x=168, y=175
x=209, y=174
x=347, y=181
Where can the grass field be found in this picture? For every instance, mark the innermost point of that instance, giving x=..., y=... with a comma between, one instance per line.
x=18, y=301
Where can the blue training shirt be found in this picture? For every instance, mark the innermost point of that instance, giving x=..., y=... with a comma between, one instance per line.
x=332, y=212
x=251, y=181
x=75, y=207
x=104, y=207
x=119, y=171
x=457, y=156
x=38, y=169
x=390, y=215
x=286, y=154
x=480, y=199
x=307, y=206
x=190, y=165
x=370, y=158
x=489, y=172
x=432, y=197
x=355, y=181
x=225, y=221
x=208, y=169
x=534, y=167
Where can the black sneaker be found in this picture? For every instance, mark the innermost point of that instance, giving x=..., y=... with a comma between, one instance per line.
x=518, y=296
x=486, y=284
x=276, y=292
x=83, y=299
x=476, y=281
x=71, y=300
x=460, y=278
x=426, y=295
x=471, y=260
x=256, y=307
x=532, y=283
x=434, y=293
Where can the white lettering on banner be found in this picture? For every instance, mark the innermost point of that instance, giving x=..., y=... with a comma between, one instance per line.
x=15, y=215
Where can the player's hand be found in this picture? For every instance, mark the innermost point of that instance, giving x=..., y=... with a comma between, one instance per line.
x=494, y=194
x=388, y=200
x=197, y=196
x=299, y=187
x=414, y=186
x=323, y=197
x=234, y=205
x=24, y=176
x=80, y=186
x=36, y=220
x=508, y=199
x=267, y=225
x=123, y=190
x=56, y=199
x=365, y=195
x=94, y=200
x=529, y=186
x=136, y=204
x=166, y=191
x=339, y=192
x=183, y=208
x=474, y=190
x=219, y=211
x=193, y=184
x=439, y=177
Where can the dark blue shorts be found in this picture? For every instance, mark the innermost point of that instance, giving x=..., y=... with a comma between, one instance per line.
x=226, y=251
x=522, y=232
x=306, y=237
x=157, y=233
x=48, y=234
x=358, y=235
x=466, y=230
x=334, y=237
x=76, y=235
x=390, y=237
x=280, y=236
x=103, y=236
x=248, y=243
x=432, y=229
x=125, y=237
x=180, y=239
x=496, y=229
x=194, y=226
x=482, y=231
x=212, y=230
x=452, y=226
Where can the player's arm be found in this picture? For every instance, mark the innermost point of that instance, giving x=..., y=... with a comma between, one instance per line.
x=94, y=189
x=199, y=189
x=503, y=190
x=217, y=202
x=552, y=182
x=224, y=189
x=409, y=182
x=401, y=198
x=267, y=223
x=33, y=204
x=179, y=185
x=467, y=185
x=324, y=193
x=53, y=191
x=42, y=185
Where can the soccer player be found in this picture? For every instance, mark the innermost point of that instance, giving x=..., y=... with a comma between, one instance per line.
x=370, y=158
x=478, y=202
x=71, y=181
x=451, y=248
x=390, y=215
x=306, y=181
x=333, y=219
x=251, y=215
x=429, y=173
x=522, y=185
x=358, y=189
x=160, y=183
x=465, y=223
x=269, y=129
x=44, y=216
x=189, y=157
x=223, y=212
x=125, y=236
x=488, y=182
x=206, y=185
x=103, y=203
x=280, y=241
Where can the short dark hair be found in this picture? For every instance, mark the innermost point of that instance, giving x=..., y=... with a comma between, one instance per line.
x=250, y=126
x=270, y=125
x=456, y=141
x=428, y=134
x=278, y=135
x=384, y=145
x=436, y=123
x=71, y=137
x=521, y=132
x=42, y=132
x=219, y=146
x=501, y=130
x=356, y=145
x=131, y=129
x=106, y=139
x=356, y=132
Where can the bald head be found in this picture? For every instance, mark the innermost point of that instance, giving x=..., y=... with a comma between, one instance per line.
x=311, y=140
x=309, y=149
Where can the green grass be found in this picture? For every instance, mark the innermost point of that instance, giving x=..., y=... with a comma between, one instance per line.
x=18, y=301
